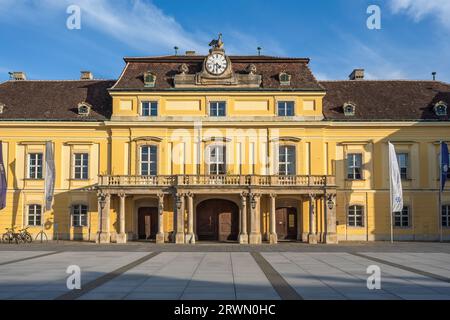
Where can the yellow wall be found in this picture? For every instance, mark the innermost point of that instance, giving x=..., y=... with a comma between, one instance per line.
x=113, y=147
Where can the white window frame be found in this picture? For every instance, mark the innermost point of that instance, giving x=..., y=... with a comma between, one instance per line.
x=216, y=113
x=77, y=215
x=33, y=213
x=445, y=213
x=284, y=104
x=283, y=151
x=405, y=213
x=352, y=212
x=404, y=174
x=36, y=166
x=84, y=169
x=217, y=162
x=351, y=168
x=150, y=104
x=148, y=160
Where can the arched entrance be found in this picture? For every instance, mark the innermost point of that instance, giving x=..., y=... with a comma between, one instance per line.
x=286, y=223
x=217, y=219
x=147, y=223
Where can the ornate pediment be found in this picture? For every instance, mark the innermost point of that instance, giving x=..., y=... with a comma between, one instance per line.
x=217, y=71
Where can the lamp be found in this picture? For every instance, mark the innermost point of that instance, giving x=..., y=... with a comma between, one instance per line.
x=102, y=200
x=178, y=202
x=253, y=202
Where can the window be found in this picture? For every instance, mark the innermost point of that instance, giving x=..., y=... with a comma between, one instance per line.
x=79, y=215
x=285, y=79
x=149, y=79
x=355, y=216
x=216, y=160
x=401, y=219
x=35, y=165
x=217, y=109
x=149, y=109
x=149, y=160
x=354, y=166
x=81, y=166
x=446, y=215
x=349, y=109
x=84, y=109
x=440, y=108
x=402, y=159
x=286, y=160
x=34, y=215
x=285, y=108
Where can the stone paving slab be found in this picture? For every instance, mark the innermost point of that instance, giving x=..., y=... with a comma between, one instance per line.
x=45, y=277
x=192, y=276
x=7, y=256
x=343, y=276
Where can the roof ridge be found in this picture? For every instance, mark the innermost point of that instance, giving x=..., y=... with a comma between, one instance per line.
x=386, y=80
x=56, y=80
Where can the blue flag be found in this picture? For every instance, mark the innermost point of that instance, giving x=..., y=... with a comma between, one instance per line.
x=3, y=185
x=444, y=164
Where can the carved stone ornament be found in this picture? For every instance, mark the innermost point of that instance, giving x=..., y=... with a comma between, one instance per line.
x=184, y=68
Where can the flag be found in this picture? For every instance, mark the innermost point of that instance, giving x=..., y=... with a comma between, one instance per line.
x=49, y=175
x=3, y=185
x=395, y=181
x=444, y=164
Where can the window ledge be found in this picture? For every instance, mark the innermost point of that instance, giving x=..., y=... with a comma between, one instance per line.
x=32, y=179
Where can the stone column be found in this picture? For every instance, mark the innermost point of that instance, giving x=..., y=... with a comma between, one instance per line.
x=104, y=203
x=190, y=237
x=255, y=228
x=273, y=229
x=179, y=207
x=243, y=236
x=312, y=236
x=122, y=236
x=330, y=218
x=160, y=234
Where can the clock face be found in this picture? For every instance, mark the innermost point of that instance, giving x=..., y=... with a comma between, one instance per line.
x=216, y=63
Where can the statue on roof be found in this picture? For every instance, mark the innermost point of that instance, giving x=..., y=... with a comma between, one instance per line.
x=217, y=43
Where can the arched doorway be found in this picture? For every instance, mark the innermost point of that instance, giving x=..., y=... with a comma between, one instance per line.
x=286, y=223
x=147, y=223
x=217, y=220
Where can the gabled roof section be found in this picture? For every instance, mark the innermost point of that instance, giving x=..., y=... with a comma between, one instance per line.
x=55, y=100
x=389, y=100
x=166, y=67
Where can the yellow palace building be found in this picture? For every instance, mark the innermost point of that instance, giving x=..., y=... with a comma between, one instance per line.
x=186, y=148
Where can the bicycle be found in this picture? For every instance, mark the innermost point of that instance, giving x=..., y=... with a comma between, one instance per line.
x=9, y=236
x=25, y=235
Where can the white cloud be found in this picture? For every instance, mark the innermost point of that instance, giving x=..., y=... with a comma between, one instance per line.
x=419, y=9
x=139, y=24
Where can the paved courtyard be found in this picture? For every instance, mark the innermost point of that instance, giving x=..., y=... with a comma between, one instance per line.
x=212, y=271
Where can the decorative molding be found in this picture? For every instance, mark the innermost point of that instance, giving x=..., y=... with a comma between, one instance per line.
x=148, y=138
x=286, y=138
x=216, y=139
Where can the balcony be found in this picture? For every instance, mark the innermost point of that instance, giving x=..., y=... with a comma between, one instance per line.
x=217, y=180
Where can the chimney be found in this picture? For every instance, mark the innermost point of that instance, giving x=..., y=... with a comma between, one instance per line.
x=18, y=75
x=86, y=75
x=190, y=53
x=357, y=74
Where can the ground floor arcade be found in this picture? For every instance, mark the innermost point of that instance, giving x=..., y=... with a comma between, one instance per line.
x=224, y=215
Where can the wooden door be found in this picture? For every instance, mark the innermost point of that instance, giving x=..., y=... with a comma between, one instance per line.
x=147, y=222
x=206, y=221
x=286, y=223
x=217, y=220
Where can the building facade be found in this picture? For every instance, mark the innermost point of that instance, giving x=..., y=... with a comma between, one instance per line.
x=247, y=149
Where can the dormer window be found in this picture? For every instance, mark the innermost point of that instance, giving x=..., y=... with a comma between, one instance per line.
x=84, y=109
x=2, y=108
x=285, y=79
x=440, y=108
x=149, y=79
x=349, y=109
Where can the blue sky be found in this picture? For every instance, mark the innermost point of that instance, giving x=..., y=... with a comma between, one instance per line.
x=414, y=39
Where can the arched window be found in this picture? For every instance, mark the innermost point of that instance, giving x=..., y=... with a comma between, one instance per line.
x=355, y=216
x=440, y=108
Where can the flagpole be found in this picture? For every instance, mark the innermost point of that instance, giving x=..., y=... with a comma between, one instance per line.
x=440, y=192
x=390, y=197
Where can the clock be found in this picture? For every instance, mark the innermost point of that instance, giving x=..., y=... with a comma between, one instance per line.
x=216, y=63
